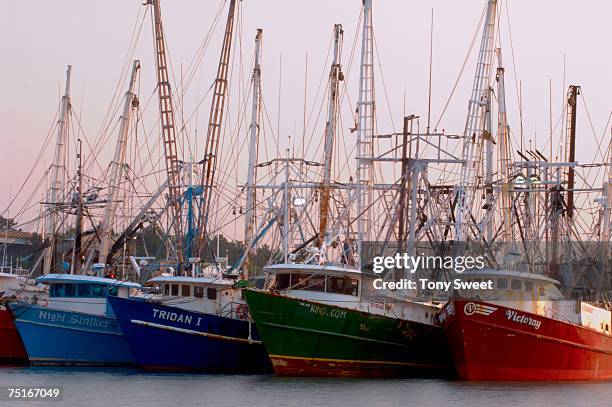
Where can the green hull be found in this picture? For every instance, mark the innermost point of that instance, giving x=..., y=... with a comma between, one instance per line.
x=305, y=338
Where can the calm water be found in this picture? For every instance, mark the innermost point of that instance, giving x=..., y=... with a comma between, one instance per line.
x=86, y=387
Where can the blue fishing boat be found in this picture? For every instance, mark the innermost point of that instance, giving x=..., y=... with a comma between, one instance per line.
x=77, y=326
x=197, y=324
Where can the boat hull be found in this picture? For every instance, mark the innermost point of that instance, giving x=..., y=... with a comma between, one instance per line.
x=490, y=342
x=172, y=339
x=54, y=337
x=305, y=338
x=12, y=351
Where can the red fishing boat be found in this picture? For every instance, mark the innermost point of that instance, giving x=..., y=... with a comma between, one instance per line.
x=11, y=347
x=15, y=286
x=525, y=330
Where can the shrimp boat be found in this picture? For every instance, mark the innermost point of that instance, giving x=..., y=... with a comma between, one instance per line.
x=547, y=313
x=200, y=315
x=11, y=346
x=15, y=286
x=314, y=322
x=318, y=314
x=202, y=320
x=77, y=325
x=524, y=329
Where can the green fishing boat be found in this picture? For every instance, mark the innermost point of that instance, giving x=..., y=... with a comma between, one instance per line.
x=313, y=322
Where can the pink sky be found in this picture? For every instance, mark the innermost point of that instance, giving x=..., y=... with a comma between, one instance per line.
x=39, y=38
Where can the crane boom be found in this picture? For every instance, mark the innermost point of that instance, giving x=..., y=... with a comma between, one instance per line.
x=214, y=130
x=607, y=219
x=365, y=130
x=474, y=134
x=570, y=144
x=58, y=172
x=335, y=76
x=117, y=169
x=166, y=110
x=503, y=136
x=251, y=197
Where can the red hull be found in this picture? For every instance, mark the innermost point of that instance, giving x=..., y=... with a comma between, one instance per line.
x=488, y=345
x=11, y=347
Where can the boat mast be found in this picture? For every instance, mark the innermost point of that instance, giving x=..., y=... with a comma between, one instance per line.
x=214, y=131
x=607, y=209
x=365, y=131
x=607, y=221
x=333, y=104
x=488, y=140
x=117, y=169
x=570, y=145
x=473, y=136
x=251, y=193
x=166, y=110
x=503, y=137
x=75, y=264
x=58, y=171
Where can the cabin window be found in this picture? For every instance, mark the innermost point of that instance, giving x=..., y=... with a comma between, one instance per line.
x=260, y=283
x=317, y=283
x=57, y=290
x=174, y=289
x=308, y=282
x=166, y=289
x=84, y=290
x=502, y=283
x=198, y=292
x=113, y=290
x=282, y=281
x=298, y=281
x=528, y=286
x=342, y=285
x=211, y=293
x=69, y=290
x=515, y=285
x=336, y=285
x=311, y=283
x=81, y=290
x=98, y=290
x=185, y=290
x=355, y=287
